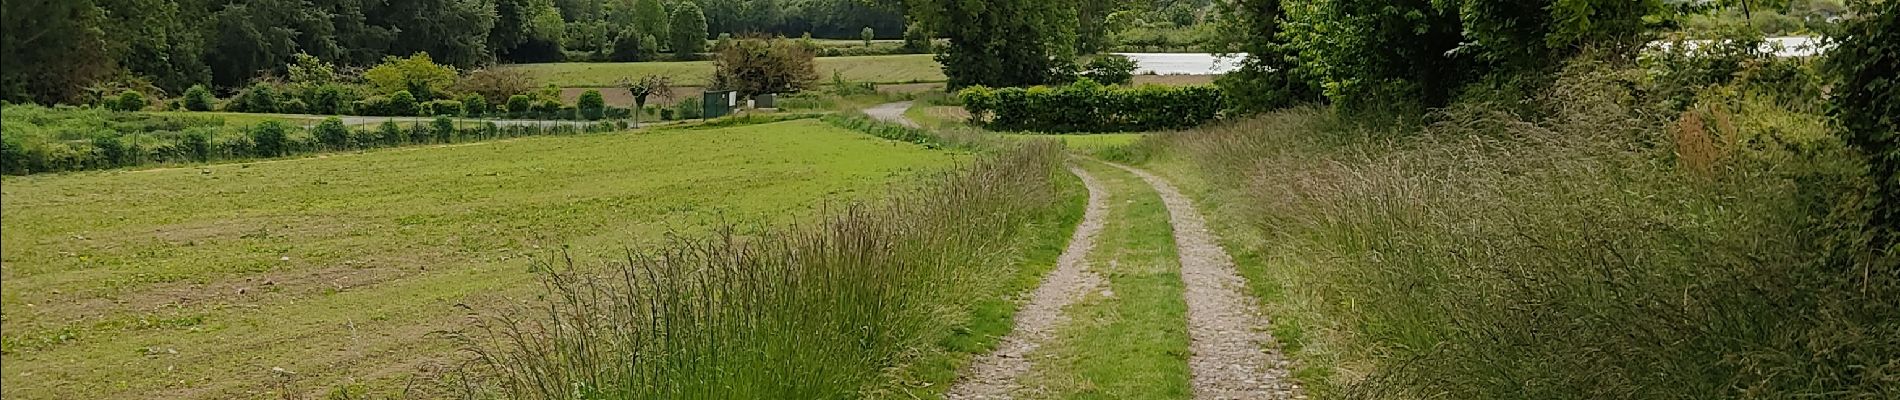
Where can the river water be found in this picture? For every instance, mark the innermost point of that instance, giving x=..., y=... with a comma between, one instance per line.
x=1183, y=63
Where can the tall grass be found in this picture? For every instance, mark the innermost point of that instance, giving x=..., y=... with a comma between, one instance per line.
x=839, y=309
x=1600, y=248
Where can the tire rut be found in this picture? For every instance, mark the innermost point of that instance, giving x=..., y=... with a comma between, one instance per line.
x=1228, y=341
x=996, y=375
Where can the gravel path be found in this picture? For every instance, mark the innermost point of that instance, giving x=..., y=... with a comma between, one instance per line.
x=994, y=375
x=1227, y=336
x=892, y=113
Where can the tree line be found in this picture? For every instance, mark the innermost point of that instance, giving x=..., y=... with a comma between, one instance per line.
x=72, y=51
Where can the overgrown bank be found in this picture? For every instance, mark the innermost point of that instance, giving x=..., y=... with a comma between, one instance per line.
x=880, y=300
x=1584, y=242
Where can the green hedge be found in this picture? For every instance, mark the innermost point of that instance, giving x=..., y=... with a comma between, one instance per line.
x=43, y=139
x=1086, y=106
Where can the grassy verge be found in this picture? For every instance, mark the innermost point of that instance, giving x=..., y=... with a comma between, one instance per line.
x=196, y=282
x=1129, y=340
x=874, y=69
x=1597, y=251
x=990, y=314
x=881, y=300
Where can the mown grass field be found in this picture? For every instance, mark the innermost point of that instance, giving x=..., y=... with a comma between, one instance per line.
x=353, y=270
x=910, y=68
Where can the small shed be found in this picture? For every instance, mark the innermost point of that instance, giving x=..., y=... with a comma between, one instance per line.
x=719, y=103
x=767, y=100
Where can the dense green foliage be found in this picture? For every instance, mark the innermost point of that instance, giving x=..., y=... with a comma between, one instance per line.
x=1002, y=43
x=754, y=66
x=1409, y=56
x=1110, y=69
x=688, y=36
x=56, y=50
x=1086, y=106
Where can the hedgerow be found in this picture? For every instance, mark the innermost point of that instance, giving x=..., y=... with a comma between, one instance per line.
x=42, y=139
x=1086, y=106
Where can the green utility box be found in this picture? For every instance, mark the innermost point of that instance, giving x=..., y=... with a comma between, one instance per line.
x=718, y=103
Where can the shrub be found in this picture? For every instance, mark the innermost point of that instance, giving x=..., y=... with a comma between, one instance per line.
x=1086, y=106
x=474, y=105
x=496, y=84
x=419, y=75
x=130, y=100
x=332, y=133
x=259, y=98
x=1111, y=69
x=330, y=99
x=592, y=106
x=755, y=66
x=520, y=105
x=444, y=129
x=450, y=108
x=270, y=138
x=868, y=35
x=402, y=104
x=548, y=108
x=293, y=106
x=689, y=108
x=917, y=39
x=390, y=133
x=198, y=98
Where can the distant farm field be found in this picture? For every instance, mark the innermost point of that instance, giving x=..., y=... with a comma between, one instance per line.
x=877, y=69
x=353, y=270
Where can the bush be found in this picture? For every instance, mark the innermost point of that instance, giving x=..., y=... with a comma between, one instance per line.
x=401, y=104
x=332, y=133
x=198, y=98
x=390, y=133
x=548, y=109
x=592, y=106
x=259, y=98
x=418, y=74
x=293, y=106
x=917, y=39
x=1086, y=106
x=450, y=108
x=755, y=66
x=519, y=106
x=1111, y=69
x=689, y=108
x=444, y=129
x=474, y=105
x=270, y=138
x=330, y=99
x=129, y=100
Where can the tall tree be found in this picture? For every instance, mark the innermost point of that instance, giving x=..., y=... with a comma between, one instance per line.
x=1002, y=43
x=454, y=32
x=652, y=19
x=689, y=30
x=1269, y=77
x=50, y=49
